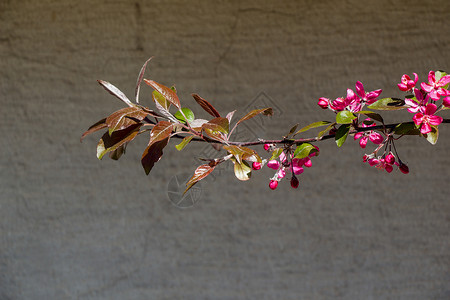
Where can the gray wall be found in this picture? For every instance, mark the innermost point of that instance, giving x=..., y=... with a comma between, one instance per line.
x=73, y=227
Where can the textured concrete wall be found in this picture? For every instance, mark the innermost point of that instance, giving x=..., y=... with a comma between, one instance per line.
x=73, y=227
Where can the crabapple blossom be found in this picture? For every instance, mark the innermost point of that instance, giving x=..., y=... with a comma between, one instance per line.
x=373, y=136
x=273, y=184
x=436, y=88
x=426, y=119
x=407, y=83
x=419, y=105
x=368, y=98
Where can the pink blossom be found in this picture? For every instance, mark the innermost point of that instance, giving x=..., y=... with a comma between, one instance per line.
x=373, y=136
x=273, y=184
x=446, y=102
x=419, y=104
x=273, y=164
x=426, y=119
x=297, y=166
x=256, y=166
x=381, y=163
x=436, y=89
x=323, y=102
x=281, y=173
x=407, y=83
x=370, y=97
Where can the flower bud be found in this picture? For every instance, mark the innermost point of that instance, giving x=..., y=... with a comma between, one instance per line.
x=267, y=147
x=403, y=168
x=323, y=103
x=273, y=184
x=294, y=182
x=256, y=166
x=390, y=159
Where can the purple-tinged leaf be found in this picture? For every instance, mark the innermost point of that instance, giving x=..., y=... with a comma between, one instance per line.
x=125, y=117
x=206, y=106
x=218, y=124
x=115, y=92
x=241, y=153
x=265, y=111
x=217, y=135
x=153, y=154
x=139, y=79
x=161, y=131
x=197, y=124
x=372, y=115
x=167, y=92
x=96, y=127
x=116, y=154
x=165, y=113
x=111, y=142
x=230, y=115
x=200, y=173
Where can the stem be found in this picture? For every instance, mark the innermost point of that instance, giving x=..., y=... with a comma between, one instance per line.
x=304, y=140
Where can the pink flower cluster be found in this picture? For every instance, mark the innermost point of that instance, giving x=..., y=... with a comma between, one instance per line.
x=423, y=103
x=385, y=162
x=285, y=163
x=353, y=102
x=371, y=135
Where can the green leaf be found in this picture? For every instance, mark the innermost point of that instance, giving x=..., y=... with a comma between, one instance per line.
x=406, y=129
x=276, y=153
x=153, y=154
x=322, y=133
x=243, y=153
x=200, y=173
x=159, y=98
x=218, y=124
x=432, y=136
x=438, y=75
x=184, y=143
x=187, y=112
x=372, y=115
x=388, y=104
x=206, y=106
x=243, y=171
x=111, y=142
x=167, y=92
x=313, y=125
x=292, y=130
x=125, y=117
x=160, y=131
x=265, y=111
x=304, y=150
x=345, y=117
x=341, y=134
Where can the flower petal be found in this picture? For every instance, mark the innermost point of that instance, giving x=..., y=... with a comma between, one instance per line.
x=360, y=89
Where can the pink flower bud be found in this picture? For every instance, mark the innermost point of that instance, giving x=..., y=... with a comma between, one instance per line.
x=323, y=103
x=273, y=184
x=294, y=182
x=390, y=159
x=281, y=173
x=267, y=147
x=273, y=164
x=404, y=168
x=446, y=101
x=256, y=165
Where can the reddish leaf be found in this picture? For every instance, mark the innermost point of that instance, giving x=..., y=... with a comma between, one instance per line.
x=158, y=98
x=217, y=135
x=206, y=106
x=161, y=131
x=153, y=154
x=200, y=173
x=218, y=124
x=242, y=153
x=168, y=93
x=265, y=111
x=139, y=79
x=125, y=117
x=116, y=154
x=96, y=127
x=111, y=142
x=115, y=92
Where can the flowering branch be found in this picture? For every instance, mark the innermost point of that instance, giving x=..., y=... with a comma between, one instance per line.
x=289, y=154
